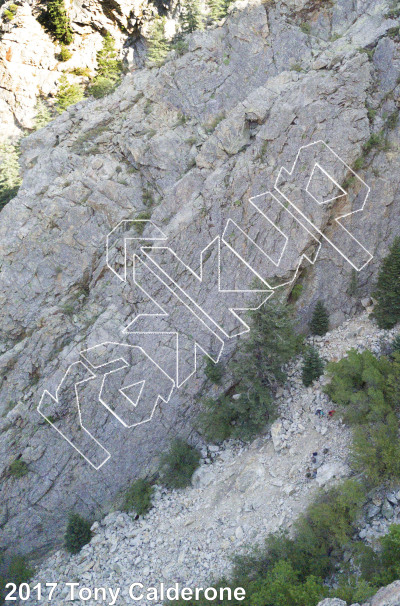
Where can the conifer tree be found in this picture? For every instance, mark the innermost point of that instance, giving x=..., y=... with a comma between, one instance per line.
x=10, y=179
x=270, y=344
x=58, y=22
x=313, y=366
x=67, y=94
x=158, y=45
x=319, y=324
x=218, y=9
x=396, y=345
x=191, y=16
x=387, y=291
x=108, y=64
x=109, y=69
x=43, y=115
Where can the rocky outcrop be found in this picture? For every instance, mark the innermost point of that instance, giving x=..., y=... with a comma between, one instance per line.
x=30, y=64
x=187, y=145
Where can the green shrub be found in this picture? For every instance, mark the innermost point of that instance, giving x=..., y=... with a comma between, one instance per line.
x=179, y=464
x=281, y=587
x=213, y=371
x=10, y=12
x=18, y=469
x=305, y=27
x=57, y=21
x=387, y=290
x=101, y=87
x=368, y=389
x=220, y=418
x=10, y=179
x=353, y=589
x=65, y=53
x=138, y=497
x=376, y=450
x=157, y=45
x=286, y=568
x=389, y=557
x=18, y=571
x=296, y=292
x=78, y=533
x=141, y=218
x=67, y=94
x=180, y=46
x=319, y=324
x=83, y=72
x=313, y=367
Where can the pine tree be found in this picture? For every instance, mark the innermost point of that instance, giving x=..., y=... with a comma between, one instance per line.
x=191, y=17
x=218, y=9
x=158, y=45
x=67, y=94
x=387, y=291
x=319, y=324
x=269, y=345
x=108, y=64
x=43, y=115
x=78, y=533
x=10, y=179
x=58, y=22
x=109, y=69
x=313, y=366
x=396, y=345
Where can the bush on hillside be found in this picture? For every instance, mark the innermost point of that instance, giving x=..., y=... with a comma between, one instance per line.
x=396, y=344
x=65, y=53
x=138, y=497
x=178, y=464
x=213, y=371
x=17, y=571
x=78, y=533
x=368, y=390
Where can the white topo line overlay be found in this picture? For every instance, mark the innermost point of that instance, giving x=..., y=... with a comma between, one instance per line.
x=300, y=199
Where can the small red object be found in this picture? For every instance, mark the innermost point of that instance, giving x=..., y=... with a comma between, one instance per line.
x=331, y=413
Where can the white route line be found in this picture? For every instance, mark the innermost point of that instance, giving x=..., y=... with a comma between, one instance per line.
x=163, y=313
x=197, y=310
x=126, y=365
x=337, y=220
x=55, y=399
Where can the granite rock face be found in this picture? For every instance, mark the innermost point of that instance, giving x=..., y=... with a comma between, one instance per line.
x=184, y=146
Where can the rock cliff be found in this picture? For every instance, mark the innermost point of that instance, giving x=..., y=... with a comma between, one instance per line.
x=30, y=63
x=185, y=146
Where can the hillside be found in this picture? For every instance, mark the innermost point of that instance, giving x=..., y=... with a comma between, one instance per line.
x=190, y=535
